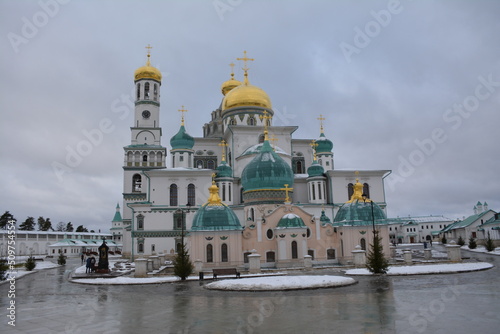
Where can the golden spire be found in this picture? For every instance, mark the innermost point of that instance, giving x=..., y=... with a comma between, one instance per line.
x=286, y=189
x=314, y=145
x=224, y=145
x=265, y=118
x=245, y=67
x=182, y=110
x=321, y=119
x=214, y=198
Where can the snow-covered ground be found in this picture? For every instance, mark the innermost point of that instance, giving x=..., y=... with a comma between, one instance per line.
x=427, y=269
x=281, y=283
x=482, y=249
x=20, y=272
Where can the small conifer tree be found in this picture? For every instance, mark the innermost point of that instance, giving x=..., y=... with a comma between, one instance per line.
x=472, y=243
x=461, y=241
x=30, y=263
x=490, y=247
x=182, y=264
x=61, y=260
x=375, y=261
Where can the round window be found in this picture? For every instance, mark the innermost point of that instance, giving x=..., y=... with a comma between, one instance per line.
x=269, y=234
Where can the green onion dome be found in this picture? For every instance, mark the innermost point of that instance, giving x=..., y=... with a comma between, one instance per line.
x=182, y=140
x=215, y=215
x=324, y=145
x=290, y=220
x=315, y=169
x=224, y=170
x=358, y=212
x=266, y=171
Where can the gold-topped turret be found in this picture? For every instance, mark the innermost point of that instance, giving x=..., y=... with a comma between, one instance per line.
x=246, y=95
x=147, y=71
x=231, y=83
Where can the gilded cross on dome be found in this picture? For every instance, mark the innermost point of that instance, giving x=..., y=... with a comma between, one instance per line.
x=224, y=145
x=321, y=119
x=149, y=47
x=314, y=145
x=182, y=110
x=245, y=68
x=266, y=119
x=287, y=189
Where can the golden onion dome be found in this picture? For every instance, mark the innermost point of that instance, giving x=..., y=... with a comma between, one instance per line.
x=147, y=72
x=246, y=95
x=229, y=85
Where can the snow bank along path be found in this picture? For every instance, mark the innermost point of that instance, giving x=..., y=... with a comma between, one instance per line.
x=428, y=269
x=280, y=283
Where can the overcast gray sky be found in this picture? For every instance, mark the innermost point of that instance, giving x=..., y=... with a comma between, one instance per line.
x=409, y=86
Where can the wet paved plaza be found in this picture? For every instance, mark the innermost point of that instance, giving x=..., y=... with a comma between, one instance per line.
x=455, y=303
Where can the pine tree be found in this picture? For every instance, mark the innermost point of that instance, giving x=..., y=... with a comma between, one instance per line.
x=375, y=261
x=30, y=263
x=182, y=264
x=490, y=247
x=6, y=218
x=28, y=224
x=472, y=243
x=461, y=241
x=61, y=260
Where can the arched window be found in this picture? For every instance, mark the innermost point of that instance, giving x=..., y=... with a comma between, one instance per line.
x=366, y=190
x=191, y=194
x=229, y=192
x=145, y=158
x=173, y=195
x=313, y=192
x=140, y=222
x=223, y=192
x=350, y=190
x=210, y=253
x=251, y=121
x=136, y=183
x=241, y=195
x=140, y=247
x=251, y=214
x=178, y=247
x=232, y=121
x=211, y=164
x=223, y=250
x=270, y=257
x=295, y=253
x=261, y=138
x=146, y=91
x=245, y=257
x=363, y=243
x=300, y=168
x=138, y=91
x=155, y=92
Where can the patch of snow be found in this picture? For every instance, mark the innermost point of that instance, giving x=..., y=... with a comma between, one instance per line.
x=427, y=269
x=290, y=216
x=281, y=283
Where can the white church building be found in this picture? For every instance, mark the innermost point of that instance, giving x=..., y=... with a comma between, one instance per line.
x=245, y=186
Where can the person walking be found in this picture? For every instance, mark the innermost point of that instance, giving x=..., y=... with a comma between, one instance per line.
x=88, y=266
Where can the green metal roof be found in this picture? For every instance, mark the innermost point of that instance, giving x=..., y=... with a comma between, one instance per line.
x=290, y=220
x=325, y=145
x=212, y=217
x=266, y=171
x=324, y=218
x=466, y=222
x=224, y=170
x=315, y=169
x=182, y=140
x=360, y=213
x=118, y=216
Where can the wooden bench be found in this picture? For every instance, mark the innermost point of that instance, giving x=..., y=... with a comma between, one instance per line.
x=225, y=271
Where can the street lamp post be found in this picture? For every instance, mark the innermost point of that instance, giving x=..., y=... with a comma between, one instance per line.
x=365, y=197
